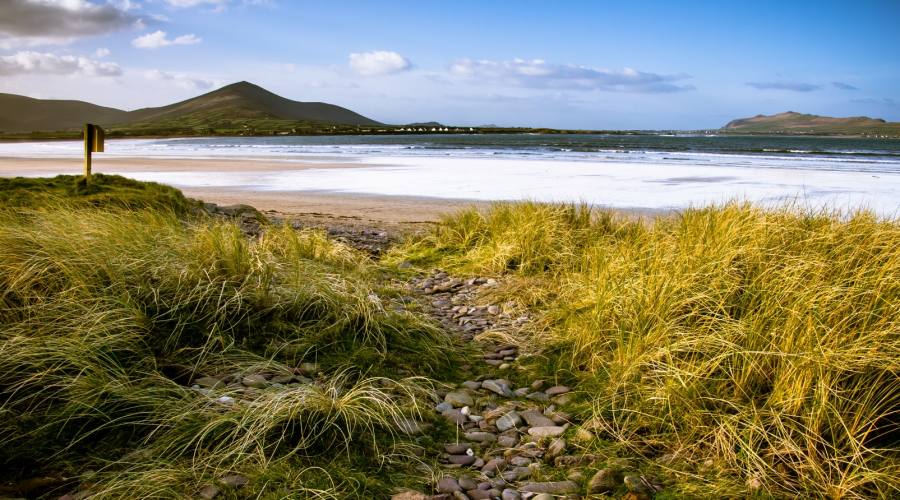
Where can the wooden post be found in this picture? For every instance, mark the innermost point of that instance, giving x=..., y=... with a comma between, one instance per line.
x=88, y=147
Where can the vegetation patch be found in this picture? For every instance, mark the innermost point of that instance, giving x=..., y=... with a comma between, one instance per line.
x=738, y=349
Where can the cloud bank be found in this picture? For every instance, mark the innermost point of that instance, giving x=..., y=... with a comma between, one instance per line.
x=789, y=86
x=181, y=80
x=378, y=62
x=28, y=62
x=843, y=86
x=160, y=38
x=537, y=73
x=44, y=22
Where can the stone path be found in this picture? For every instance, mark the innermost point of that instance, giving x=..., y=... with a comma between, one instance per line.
x=511, y=441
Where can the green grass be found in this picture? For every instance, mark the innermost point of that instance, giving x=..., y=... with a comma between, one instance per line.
x=111, y=191
x=107, y=313
x=736, y=343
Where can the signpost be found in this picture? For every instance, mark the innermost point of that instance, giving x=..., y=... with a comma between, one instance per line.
x=93, y=143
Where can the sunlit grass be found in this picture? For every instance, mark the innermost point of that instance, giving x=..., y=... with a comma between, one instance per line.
x=747, y=342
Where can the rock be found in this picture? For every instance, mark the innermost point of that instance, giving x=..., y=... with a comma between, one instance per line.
x=209, y=491
x=493, y=466
x=556, y=448
x=499, y=386
x=575, y=460
x=455, y=416
x=575, y=475
x=209, y=382
x=563, y=399
x=493, y=310
x=605, y=481
x=481, y=437
x=457, y=448
x=538, y=385
x=640, y=486
x=516, y=474
x=234, y=480
x=546, y=431
x=521, y=392
x=472, y=385
x=448, y=484
x=467, y=483
x=552, y=487
x=520, y=461
x=538, y=396
x=508, y=421
x=504, y=366
x=459, y=399
x=442, y=407
x=404, y=265
x=255, y=381
x=509, y=494
x=225, y=400
x=536, y=419
x=282, y=379
x=556, y=390
x=461, y=459
x=507, y=440
x=458, y=495
x=542, y=496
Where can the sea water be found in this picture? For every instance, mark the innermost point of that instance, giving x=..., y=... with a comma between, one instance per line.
x=637, y=171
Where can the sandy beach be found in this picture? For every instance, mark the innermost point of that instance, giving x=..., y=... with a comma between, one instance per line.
x=367, y=209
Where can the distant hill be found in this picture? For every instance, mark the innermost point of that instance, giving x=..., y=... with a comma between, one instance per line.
x=246, y=100
x=793, y=123
x=25, y=114
x=238, y=106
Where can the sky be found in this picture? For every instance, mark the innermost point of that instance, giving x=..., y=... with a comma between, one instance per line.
x=565, y=64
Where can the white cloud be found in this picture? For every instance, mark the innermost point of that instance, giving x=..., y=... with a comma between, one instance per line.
x=25, y=23
x=159, y=39
x=28, y=62
x=102, y=52
x=378, y=62
x=180, y=79
x=537, y=73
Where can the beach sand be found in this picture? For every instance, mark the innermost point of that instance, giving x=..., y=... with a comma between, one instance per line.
x=391, y=212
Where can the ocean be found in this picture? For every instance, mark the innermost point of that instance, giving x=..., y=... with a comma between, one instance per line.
x=639, y=171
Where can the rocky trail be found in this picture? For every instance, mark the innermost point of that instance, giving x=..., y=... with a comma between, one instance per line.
x=513, y=442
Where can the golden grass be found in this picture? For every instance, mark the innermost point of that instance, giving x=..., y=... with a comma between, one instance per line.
x=764, y=344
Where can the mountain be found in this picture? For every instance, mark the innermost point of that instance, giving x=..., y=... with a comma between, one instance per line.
x=238, y=106
x=25, y=114
x=793, y=123
x=246, y=100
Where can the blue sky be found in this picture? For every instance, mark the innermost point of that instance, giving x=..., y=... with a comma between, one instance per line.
x=557, y=64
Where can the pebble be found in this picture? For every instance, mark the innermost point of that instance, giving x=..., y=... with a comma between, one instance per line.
x=516, y=474
x=556, y=390
x=461, y=459
x=234, y=480
x=508, y=421
x=442, y=407
x=448, y=485
x=459, y=399
x=605, y=481
x=481, y=437
x=509, y=494
x=209, y=382
x=493, y=465
x=457, y=448
x=499, y=386
x=467, y=483
x=472, y=385
x=455, y=416
x=552, y=487
x=557, y=447
x=255, y=381
x=546, y=431
x=536, y=419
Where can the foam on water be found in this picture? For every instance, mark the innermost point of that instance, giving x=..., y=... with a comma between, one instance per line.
x=617, y=177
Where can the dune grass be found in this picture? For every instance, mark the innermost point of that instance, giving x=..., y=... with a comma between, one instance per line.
x=108, y=315
x=733, y=345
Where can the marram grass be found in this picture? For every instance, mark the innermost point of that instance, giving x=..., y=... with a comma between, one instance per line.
x=97, y=306
x=737, y=342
